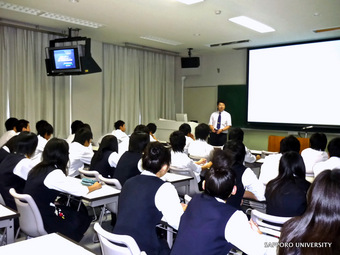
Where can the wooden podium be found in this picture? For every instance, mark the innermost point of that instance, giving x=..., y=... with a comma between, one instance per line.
x=274, y=143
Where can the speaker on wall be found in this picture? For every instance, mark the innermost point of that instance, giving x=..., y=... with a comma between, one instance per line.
x=190, y=62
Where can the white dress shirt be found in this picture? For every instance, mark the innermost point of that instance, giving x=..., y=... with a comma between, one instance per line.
x=270, y=168
x=39, y=150
x=188, y=140
x=6, y=136
x=252, y=184
x=23, y=168
x=79, y=155
x=120, y=135
x=182, y=161
x=331, y=163
x=201, y=148
x=311, y=157
x=225, y=120
x=249, y=157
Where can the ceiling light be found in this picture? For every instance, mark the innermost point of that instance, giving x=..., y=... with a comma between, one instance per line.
x=68, y=19
x=19, y=8
x=161, y=40
x=189, y=1
x=252, y=24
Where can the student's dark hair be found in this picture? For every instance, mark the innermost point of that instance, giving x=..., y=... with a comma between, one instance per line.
x=155, y=156
x=177, y=141
x=26, y=143
x=10, y=123
x=220, y=179
x=334, y=147
x=202, y=131
x=289, y=143
x=108, y=143
x=22, y=123
x=39, y=124
x=236, y=149
x=152, y=127
x=43, y=127
x=82, y=135
x=236, y=133
x=321, y=220
x=76, y=125
x=291, y=168
x=318, y=141
x=141, y=128
x=118, y=124
x=220, y=101
x=55, y=155
x=86, y=125
x=138, y=141
x=185, y=128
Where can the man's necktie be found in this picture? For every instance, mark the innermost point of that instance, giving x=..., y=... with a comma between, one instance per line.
x=219, y=121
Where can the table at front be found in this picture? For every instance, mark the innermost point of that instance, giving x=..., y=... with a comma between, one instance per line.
x=7, y=217
x=51, y=244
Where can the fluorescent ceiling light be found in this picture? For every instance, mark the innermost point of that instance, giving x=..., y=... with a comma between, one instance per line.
x=50, y=15
x=252, y=24
x=189, y=1
x=161, y=40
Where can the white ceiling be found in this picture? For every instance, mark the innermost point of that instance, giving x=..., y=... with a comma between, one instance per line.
x=195, y=26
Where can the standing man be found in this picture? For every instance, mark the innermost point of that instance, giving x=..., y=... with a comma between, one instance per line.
x=219, y=123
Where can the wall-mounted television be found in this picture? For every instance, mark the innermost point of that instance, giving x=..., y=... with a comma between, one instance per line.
x=65, y=59
x=294, y=86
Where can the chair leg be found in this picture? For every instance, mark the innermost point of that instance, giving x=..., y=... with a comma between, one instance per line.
x=17, y=234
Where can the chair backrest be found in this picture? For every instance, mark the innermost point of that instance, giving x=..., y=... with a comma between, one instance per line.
x=111, y=181
x=89, y=173
x=116, y=244
x=268, y=224
x=193, y=183
x=30, y=220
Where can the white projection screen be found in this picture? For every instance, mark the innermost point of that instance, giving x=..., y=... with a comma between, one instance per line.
x=295, y=86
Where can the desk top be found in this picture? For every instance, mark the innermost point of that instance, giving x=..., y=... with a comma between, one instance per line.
x=7, y=213
x=105, y=192
x=51, y=244
x=173, y=178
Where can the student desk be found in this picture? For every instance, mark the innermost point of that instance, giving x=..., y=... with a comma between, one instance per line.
x=51, y=244
x=178, y=180
x=7, y=217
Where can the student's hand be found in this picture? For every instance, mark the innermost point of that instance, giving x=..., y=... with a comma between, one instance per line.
x=191, y=136
x=254, y=226
x=219, y=131
x=201, y=161
x=95, y=186
x=184, y=206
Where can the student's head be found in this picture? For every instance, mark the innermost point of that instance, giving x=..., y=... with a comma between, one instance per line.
x=318, y=141
x=236, y=149
x=11, y=124
x=291, y=165
x=177, y=141
x=44, y=129
x=202, y=131
x=152, y=128
x=26, y=143
x=156, y=157
x=220, y=179
x=138, y=141
x=119, y=124
x=220, y=105
x=289, y=143
x=11, y=143
x=56, y=153
x=83, y=136
x=141, y=128
x=236, y=133
x=109, y=143
x=23, y=125
x=334, y=147
x=76, y=125
x=185, y=128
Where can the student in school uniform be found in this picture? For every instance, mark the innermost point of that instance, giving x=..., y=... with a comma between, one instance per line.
x=106, y=158
x=209, y=225
x=23, y=125
x=152, y=129
x=44, y=132
x=189, y=137
x=11, y=130
x=15, y=167
x=75, y=126
x=80, y=151
x=200, y=148
x=45, y=182
x=145, y=199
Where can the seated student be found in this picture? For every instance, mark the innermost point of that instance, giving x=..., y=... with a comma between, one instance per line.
x=75, y=126
x=246, y=179
x=209, y=225
x=23, y=125
x=286, y=194
x=127, y=166
x=11, y=130
x=236, y=133
x=119, y=131
x=200, y=147
x=320, y=224
x=181, y=160
x=44, y=131
x=106, y=158
x=334, y=157
x=15, y=167
x=145, y=199
x=316, y=153
x=152, y=129
x=45, y=182
x=270, y=166
x=189, y=137
x=80, y=153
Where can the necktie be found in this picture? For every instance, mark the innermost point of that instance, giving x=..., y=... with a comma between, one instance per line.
x=219, y=121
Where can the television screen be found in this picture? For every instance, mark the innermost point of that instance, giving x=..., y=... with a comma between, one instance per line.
x=294, y=85
x=65, y=59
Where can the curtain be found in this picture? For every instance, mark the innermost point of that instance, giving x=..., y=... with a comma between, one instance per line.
x=138, y=87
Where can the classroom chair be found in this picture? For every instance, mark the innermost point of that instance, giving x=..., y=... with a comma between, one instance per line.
x=193, y=183
x=92, y=174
